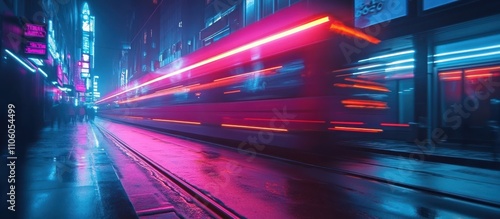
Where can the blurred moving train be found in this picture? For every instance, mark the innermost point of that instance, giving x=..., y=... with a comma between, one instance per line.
x=270, y=83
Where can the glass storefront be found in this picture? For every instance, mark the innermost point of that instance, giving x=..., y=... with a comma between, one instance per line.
x=469, y=86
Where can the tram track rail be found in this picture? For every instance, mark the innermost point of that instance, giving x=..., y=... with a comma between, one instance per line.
x=337, y=170
x=211, y=206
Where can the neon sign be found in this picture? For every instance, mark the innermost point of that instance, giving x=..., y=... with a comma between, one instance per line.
x=37, y=48
x=33, y=30
x=35, y=45
x=85, y=65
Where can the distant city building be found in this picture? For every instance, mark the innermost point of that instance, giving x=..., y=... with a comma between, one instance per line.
x=44, y=41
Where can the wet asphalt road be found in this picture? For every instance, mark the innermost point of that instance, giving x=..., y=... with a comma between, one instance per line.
x=260, y=187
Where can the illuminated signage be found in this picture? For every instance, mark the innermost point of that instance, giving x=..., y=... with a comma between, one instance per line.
x=370, y=12
x=33, y=30
x=36, y=48
x=80, y=87
x=92, y=23
x=85, y=75
x=85, y=70
x=429, y=4
x=85, y=17
x=86, y=43
x=86, y=23
x=85, y=65
x=35, y=43
x=85, y=57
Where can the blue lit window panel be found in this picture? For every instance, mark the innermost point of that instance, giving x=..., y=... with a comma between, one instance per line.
x=370, y=12
x=466, y=52
x=429, y=4
x=267, y=8
x=250, y=12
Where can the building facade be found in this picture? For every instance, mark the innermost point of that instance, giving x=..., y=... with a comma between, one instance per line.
x=439, y=63
x=39, y=47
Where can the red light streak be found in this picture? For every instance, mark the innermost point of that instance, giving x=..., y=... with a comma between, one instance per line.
x=395, y=124
x=363, y=81
x=483, y=69
x=133, y=117
x=288, y=120
x=254, y=127
x=217, y=83
x=366, y=107
x=232, y=91
x=347, y=123
x=351, y=129
x=360, y=86
x=341, y=28
x=160, y=93
x=450, y=73
x=230, y=53
x=177, y=121
x=249, y=73
x=172, y=88
x=479, y=75
x=364, y=103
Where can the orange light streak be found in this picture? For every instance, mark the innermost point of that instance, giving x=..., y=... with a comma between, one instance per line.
x=366, y=107
x=479, y=75
x=133, y=117
x=160, y=93
x=230, y=53
x=450, y=73
x=249, y=73
x=364, y=102
x=360, y=86
x=352, y=129
x=232, y=91
x=168, y=89
x=395, y=124
x=483, y=69
x=177, y=121
x=341, y=28
x=287, y=120
x=217, y=83
x=364, y=81
x=254, y=127
x=347, y=123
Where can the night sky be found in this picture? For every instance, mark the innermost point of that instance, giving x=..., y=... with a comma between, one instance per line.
x=111, y=17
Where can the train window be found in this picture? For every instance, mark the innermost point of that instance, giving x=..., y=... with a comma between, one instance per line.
x=270, y=81
x=379, y=88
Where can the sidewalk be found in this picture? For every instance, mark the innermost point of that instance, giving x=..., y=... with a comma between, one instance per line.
x=69, y=175
x=468, y=155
